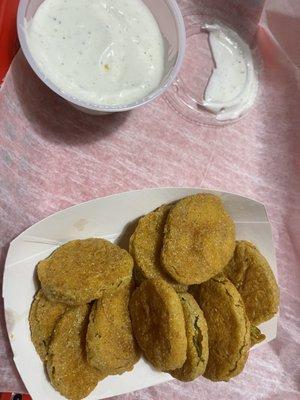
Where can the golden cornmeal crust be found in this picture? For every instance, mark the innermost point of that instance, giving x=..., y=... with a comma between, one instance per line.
x=199, y=239
x=43, y=316
x=145, y=246
x=197, y=340
x=158, y=324
x=253, y=277
x=67, y=365
x=256, y=335
x=110, y=343
x=79, y=271
x=228, y=328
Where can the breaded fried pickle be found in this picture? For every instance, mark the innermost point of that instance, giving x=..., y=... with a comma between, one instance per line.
x=199, y=239
x=79, y=271
x=197, y=340
x=43, y=316
x=250, y=272
x=145, y=247
x=158, y=324
x=110, y=344
x=67, y=365
x=228, y=328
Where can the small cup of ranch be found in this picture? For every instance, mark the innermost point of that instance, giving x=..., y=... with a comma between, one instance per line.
x=103, y=56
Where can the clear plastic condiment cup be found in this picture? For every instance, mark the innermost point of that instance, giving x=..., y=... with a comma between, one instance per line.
x=171, y=24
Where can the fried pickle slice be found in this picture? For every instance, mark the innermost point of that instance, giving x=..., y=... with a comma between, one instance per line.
x=79, y=271
x=228, y=328
x=253, y=277
x=110, y=343
x=197, y=340
x=145, y=247
x=43, y=317
x=67, y=366
x=158, y=324
x=199, y=239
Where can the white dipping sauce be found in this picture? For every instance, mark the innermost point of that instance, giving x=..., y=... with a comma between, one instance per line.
x=233, y=85
x=104, y=52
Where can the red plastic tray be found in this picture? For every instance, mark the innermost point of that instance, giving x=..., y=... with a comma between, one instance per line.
x=9, y=44
x=14, y=396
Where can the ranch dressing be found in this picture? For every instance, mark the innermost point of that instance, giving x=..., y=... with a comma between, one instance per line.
x=233, y=85
x=104, y=52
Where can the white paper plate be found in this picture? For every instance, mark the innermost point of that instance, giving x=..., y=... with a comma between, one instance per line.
x=111, y=218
